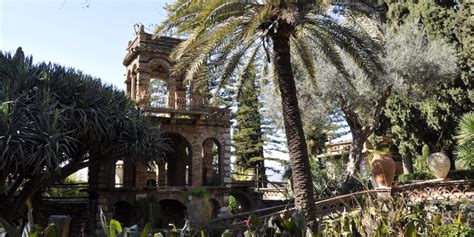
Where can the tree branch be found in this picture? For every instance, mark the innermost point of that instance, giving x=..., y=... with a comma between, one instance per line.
x=378, y=109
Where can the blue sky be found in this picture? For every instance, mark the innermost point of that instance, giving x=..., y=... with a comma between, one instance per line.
x=90, y=38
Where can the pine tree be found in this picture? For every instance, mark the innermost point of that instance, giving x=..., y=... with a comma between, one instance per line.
x=248, y=134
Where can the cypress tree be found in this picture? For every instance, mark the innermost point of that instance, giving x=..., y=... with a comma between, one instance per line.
x=248, y=134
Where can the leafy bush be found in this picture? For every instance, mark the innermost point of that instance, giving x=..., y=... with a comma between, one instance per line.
x=233, y=205
x=421, y=163
x=407, y=178
x=199, y=192
x=396, y=216
x=148, y=211
x=453, y=174
x=461, y=174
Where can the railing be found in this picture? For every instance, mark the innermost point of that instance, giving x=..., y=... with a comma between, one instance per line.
x=426, y=191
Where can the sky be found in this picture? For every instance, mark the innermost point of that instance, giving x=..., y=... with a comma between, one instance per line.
x=89, y=35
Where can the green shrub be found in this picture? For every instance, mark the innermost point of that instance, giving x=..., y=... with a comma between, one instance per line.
x=148, y=211
x=233, y=205
x=199, y=192
x=407, y=178
x=461, y=174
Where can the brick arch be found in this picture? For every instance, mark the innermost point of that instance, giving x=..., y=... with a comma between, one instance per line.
x=244, y=202
x=211, y=165
x=173, y=212
x=180, y=162
x=159, y=68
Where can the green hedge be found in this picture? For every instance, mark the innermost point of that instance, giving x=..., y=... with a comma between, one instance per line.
x=461, y=174
x=453, y=174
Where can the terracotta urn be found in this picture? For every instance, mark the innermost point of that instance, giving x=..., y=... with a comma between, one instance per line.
x=383, y=169
x=199, y=211
x=439, y=165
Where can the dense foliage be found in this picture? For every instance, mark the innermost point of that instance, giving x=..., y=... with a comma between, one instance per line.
x=465, y=141
x=55, y=121
x=433, y=120
x=413, y=66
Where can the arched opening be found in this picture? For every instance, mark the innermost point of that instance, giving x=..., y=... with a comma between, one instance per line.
x=158, y=93
x=238, y=202
x=178, y=161
x=215, y=207
x=119, y=174
x=211, y=165
x=124, y=212
x=172, y=212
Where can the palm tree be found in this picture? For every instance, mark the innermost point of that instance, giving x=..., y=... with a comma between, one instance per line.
x=465, y=140
x=226, y=37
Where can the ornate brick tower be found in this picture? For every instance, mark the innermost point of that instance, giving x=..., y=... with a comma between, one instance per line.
x=199, y=135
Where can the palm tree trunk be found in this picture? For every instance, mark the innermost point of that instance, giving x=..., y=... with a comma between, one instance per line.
x=300, y=166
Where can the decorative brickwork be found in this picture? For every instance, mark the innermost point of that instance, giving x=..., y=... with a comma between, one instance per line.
x=200, y=135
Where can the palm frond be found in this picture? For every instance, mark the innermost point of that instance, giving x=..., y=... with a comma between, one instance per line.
x=303, y=58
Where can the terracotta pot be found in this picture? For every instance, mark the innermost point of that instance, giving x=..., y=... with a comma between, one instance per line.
x=383, y=169
x=199, y=211
x=439, y=164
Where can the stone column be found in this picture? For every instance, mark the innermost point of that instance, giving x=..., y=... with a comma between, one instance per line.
x=161, y=175
x=128, y=85
x=133, y=89
x=171, y=92
x=143, y=82
x=226, y=158
x=196, y=165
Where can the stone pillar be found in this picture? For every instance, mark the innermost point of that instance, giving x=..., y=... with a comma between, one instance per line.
x=172, y=92
x=207, y=168
x=161, y=175
x=133, y=89
x=226, y=158
x=128, y=85
x=128, y=173
x=143, y=82
x=106, y=177
x=197, y=165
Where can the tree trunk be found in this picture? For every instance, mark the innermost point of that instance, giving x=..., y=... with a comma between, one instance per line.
x=353, y=165
x=355, y=155
x=407, y=164
x=298, y=151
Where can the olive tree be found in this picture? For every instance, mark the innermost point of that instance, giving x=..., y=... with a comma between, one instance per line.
x=413, y=65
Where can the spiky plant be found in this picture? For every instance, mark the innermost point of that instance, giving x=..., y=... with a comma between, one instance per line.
x=226, y=37
x=55, y=121
x=465, y=140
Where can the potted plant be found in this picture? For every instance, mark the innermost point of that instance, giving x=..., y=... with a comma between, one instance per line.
x=382, y=165
x=199, y=207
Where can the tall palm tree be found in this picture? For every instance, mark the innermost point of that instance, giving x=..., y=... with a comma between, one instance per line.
x=226, y=37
